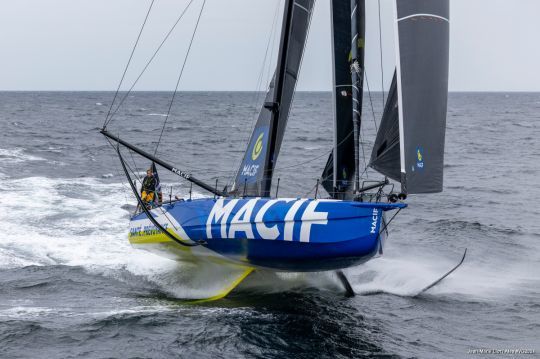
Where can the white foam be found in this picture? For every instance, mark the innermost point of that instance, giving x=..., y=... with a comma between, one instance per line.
x=408, y=275
x=17, y=155
x=24, y=312
x=80, y=222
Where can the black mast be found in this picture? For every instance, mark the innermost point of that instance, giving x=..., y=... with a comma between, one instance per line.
x=356, y=76
x=348, y=39
x=274, y=106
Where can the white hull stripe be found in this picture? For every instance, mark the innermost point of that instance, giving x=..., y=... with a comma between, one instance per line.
x=425, y=15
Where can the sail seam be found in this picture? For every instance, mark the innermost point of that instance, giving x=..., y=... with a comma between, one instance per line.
x=301, y=7
x=420, y=15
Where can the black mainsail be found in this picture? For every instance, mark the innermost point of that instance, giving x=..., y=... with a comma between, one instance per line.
x=254, y=177
x=338, y=175
x=419, y=94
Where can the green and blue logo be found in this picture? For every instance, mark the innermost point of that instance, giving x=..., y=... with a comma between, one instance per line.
x=419, y=158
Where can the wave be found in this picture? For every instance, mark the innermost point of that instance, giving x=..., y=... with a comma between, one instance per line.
x=83, y=222
x=17, y=155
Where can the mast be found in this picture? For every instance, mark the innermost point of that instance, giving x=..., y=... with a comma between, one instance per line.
x=357, y=80
x=341, y=168
x=274, y=106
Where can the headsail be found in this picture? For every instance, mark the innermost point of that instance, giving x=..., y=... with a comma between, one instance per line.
x=421, y=84
x=339, y=171
x=385, y=156
x=255, y=173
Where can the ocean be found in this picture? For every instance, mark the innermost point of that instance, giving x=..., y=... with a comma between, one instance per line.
x=71, y=286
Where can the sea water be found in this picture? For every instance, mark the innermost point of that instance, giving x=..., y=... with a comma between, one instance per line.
x=71, y=285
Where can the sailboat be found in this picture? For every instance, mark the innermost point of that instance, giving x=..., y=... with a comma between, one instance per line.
x=247, y=228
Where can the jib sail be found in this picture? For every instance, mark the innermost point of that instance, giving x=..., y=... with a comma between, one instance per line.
x=385, y=156
x=255, y=173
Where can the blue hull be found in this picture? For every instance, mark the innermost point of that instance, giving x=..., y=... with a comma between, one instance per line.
x=277, y=234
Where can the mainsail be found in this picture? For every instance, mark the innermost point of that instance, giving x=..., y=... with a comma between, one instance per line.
x=419, y=94
x=340, y=169
x=255, y=173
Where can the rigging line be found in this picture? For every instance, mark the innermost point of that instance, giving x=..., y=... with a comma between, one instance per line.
x=312, y=189
x=258, y=91
x=388, y=223
x=363, y=151
x=362, y=143
x=272, y=40
x=168, y=234
x=270, y=170
x=304, y=162
x=381, y=54
x=149, y=61
x=371, y=102
x=119, y=175
x=135, y=174
x=327, y=153
x=129, y=61
x=180, y=76
x=166, y=216
x=135, y=165
x=274, y=36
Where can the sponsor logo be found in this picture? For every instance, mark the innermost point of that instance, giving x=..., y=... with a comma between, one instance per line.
x=181, y=173
x=246, y=222
x=258, y=147
x=250, y=170
x=374, y=221
x=149, y=230
x=419, y=158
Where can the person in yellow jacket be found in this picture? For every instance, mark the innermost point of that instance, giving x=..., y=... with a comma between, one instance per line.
x=148, y=188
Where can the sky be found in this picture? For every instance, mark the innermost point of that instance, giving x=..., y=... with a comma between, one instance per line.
x=69, y=45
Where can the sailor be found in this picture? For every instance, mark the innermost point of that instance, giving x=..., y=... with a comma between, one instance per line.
x=148, y=188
